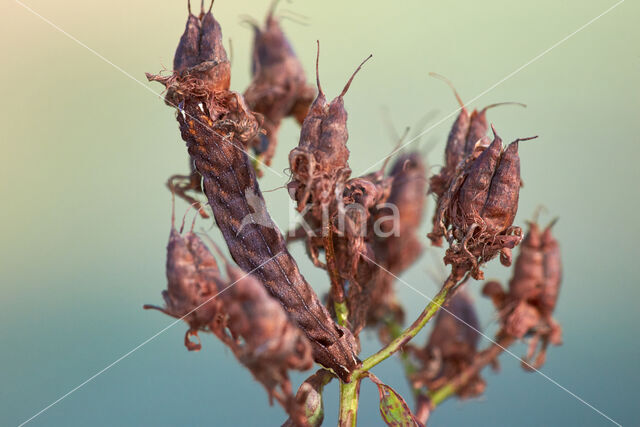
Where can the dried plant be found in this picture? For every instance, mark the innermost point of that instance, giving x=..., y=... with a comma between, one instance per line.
x=363, y=231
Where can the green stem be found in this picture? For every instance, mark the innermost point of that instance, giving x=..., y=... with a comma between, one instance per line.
x=349, y=403
x=409, y=367
x=406, y=336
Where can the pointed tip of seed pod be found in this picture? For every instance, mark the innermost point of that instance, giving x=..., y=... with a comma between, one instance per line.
x=551, y=224
x=498, y=104
x=320, y=92
x=346, y=87
x=450, y=84
x=272, y=9
x=517, y=141
x=496, y=137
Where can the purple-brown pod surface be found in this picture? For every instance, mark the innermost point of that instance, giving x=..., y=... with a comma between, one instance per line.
x=278, y=88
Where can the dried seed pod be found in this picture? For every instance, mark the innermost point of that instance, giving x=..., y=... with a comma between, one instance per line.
x=478, y=126
x=278, y=88
x=200, y=65
x=451, y=348
x=527, y=307
x=454, y=151
x=200, y=62
x=477, y=211
x=264, y=339
x=320, y=162
x=193, y=282
x=552, y=272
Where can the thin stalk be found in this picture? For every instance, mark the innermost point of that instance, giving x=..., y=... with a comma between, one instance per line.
x=337, y=285
x=406, y=335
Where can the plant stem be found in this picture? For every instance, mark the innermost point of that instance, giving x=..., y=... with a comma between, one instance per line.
x=426, y=315
x=349, y=403
x=349, y=391
x=337, y=285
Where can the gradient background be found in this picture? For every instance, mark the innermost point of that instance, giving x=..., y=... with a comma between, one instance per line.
x=85, y=152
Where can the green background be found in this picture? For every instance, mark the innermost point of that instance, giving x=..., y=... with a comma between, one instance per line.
x=85, y=152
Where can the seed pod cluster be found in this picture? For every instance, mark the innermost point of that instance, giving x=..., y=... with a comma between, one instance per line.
x=239, y=311
x=200, y=65
x=217, y=125
x=468, y=131
x=319, y=164
x=477, y=211
x=527, y=307
x=451, y=349
x=279, y=88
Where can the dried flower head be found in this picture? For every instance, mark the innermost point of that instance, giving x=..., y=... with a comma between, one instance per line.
x=200, y=62
x=477, y=211
x=239, y=311
x=193, y=278
x=467, y=131
x=451, y=349
x=278, y=88
x=527, y=307
x=319, y=164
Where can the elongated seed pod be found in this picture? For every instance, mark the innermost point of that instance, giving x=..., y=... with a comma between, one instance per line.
x=258, y=246
x=502, y=201
x=475, y=189
x=552, y=272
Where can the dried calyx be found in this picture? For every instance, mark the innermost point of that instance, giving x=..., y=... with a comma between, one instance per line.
x=476, y=212
x=319, y=165
x=239, y=311
x=526, y=308
x=279, y=87
x=200, y=67
x=468, y=130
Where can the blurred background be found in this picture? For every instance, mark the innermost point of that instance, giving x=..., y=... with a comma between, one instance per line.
x=85, y=152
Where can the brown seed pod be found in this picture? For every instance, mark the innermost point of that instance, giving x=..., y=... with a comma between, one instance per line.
x=454, y=151
x=200, y=66
x=278, y=88
x=527, y=307
x=320, y=162
x=264, y=339
x=193, y=281
x=451, y=348
x=478, y=125
x=477, y=211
